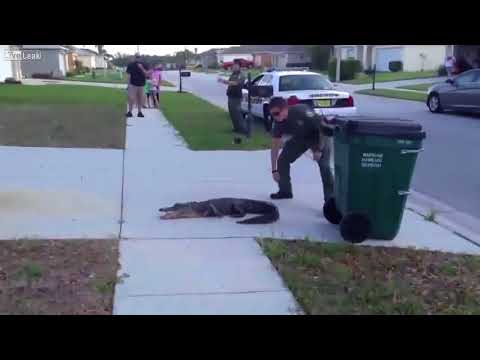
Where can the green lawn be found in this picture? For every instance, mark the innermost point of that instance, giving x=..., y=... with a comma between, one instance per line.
x=391, y=76
x=62, y=116
x=419, y=87
x=109, y=76
x=343, y=279
x=396, y=94
x=205, y=126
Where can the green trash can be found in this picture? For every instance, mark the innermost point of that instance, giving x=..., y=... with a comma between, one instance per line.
x=374, y=163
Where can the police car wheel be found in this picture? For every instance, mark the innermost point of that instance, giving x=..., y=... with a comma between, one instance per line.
x=355, y=228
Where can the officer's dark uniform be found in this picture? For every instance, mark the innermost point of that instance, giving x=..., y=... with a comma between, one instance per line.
x=234, y=94
x=304, y=126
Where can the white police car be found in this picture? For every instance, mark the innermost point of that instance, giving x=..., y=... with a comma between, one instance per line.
x=299, y=86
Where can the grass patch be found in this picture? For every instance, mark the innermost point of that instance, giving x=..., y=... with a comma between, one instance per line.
x=109, y=76
x=207, y=127
x=344, y=279
x=62, y=116
x=418, y=87
x=106, y=76
x=57, y=277
x=395, y=94
x=362, y=78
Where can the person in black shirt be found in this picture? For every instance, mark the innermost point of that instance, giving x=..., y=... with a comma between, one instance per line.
x=136, y=75
x=307, y=130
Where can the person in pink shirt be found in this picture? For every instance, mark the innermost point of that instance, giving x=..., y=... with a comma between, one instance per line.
x=157, y=78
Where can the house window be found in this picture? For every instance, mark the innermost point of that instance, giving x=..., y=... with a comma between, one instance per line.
x=347, y=52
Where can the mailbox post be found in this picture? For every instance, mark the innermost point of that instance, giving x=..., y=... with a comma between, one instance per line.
x=182, y=74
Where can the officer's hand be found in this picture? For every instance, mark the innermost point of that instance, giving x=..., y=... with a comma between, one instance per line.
x=276, y=176
x=317, y=155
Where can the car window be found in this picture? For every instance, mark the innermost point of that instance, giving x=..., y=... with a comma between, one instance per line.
x=466, y=78
x=256, y=80
x=267, y=80
x=304, y=82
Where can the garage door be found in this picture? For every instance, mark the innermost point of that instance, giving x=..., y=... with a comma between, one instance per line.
x=384, y=56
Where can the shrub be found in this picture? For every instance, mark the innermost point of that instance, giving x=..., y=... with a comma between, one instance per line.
x=442, y=70
x=348, y=69
x=395, y=66
x=46, y=76
x=11, y=80
x=42, y=76
x=320, y=55
x=71, y=73
x=86, y=69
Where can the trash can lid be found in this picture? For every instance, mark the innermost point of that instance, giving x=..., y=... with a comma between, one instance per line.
x=380, y=126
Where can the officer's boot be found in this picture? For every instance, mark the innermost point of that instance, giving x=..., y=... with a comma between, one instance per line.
x=285, y=191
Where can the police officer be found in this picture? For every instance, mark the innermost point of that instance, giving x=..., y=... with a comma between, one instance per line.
x=234, y=93
x=308, y=131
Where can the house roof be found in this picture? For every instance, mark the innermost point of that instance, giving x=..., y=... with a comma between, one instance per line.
x=214, y=50
x=251, y=49
x=86, y=52
x=44, y=47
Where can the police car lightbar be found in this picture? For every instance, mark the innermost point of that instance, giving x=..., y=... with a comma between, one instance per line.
x=289, y=69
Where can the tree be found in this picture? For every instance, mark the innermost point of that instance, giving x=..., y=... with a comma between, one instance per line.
x=320, y=55
x=100, y=48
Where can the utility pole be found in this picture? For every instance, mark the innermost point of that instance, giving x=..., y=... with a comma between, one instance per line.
x=337, y=75
x=138, y=49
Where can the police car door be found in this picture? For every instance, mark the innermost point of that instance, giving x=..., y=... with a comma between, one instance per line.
x=245, y=96
x=260, y=101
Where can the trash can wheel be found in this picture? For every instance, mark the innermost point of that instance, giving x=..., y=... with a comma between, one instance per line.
x=355, y=228
x=331, y=212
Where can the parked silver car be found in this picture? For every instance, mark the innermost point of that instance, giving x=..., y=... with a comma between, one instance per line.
x=461, y=93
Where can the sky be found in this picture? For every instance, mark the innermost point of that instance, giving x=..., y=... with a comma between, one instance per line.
x=153, y=49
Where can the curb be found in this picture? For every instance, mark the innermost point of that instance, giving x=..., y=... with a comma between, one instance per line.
x=460, y=223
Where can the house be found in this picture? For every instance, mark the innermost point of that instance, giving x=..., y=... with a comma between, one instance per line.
x=9, y=68
x=52, y=60
x=269, y=55
x=209, y=58
x=87, y=57
x=413, y=57
x=71, y=57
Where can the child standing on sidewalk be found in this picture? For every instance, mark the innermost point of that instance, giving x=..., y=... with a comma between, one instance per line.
x=152, y=92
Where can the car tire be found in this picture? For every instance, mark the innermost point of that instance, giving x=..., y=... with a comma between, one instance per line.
x=433, y=103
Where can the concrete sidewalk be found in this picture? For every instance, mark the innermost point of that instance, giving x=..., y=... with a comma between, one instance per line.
x=59, y=193
x=389, y=84
x=214, y=266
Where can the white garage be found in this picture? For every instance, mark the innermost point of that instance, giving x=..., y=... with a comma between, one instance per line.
x=8, y=68
x=384, y=56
